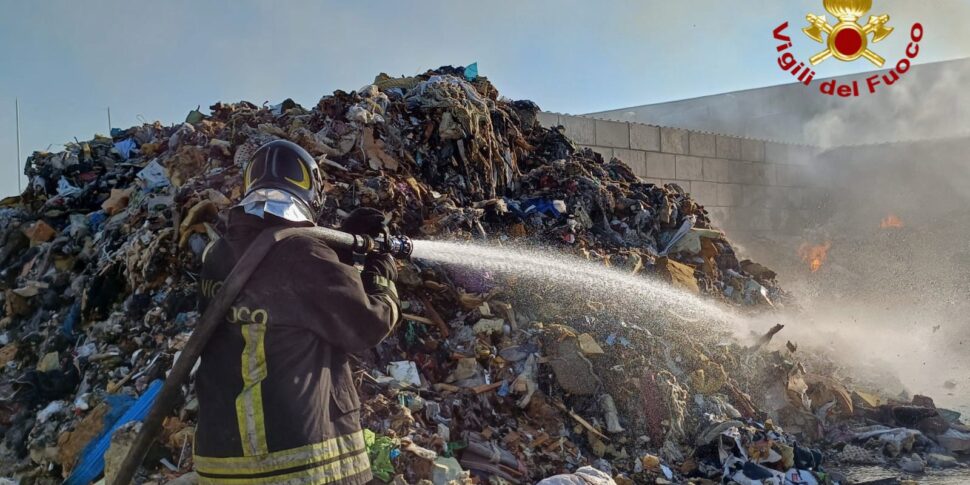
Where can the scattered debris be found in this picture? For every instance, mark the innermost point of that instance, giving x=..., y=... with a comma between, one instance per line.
x=484, y=380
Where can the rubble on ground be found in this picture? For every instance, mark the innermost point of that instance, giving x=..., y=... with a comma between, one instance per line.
x=99, y=260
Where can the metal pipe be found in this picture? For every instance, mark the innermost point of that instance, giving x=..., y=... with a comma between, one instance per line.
x=17, y=104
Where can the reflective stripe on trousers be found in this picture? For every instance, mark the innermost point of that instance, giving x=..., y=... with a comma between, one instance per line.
x=320, y=463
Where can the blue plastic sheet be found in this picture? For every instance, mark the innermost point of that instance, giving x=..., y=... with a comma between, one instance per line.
x=522, y=209
x=95, y=219
x=70, y=321
x=125, y=147
x=612, y=340
x=118, y=405
x=471, y=72
x=91, y=463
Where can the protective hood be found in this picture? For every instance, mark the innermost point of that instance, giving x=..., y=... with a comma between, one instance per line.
x=278, y=203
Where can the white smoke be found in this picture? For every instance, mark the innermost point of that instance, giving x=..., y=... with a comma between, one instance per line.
x=891, y=300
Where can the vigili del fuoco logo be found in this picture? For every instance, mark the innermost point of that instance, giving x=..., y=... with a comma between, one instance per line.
x=847, y=40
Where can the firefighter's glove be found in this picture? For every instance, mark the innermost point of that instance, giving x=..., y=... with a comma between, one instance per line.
x=364, y=220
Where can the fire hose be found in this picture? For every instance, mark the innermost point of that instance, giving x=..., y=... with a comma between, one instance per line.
x=399, y=247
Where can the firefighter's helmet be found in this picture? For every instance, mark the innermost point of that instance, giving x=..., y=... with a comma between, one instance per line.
x=281, y=173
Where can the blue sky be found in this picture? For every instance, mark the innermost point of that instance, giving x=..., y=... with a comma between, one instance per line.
x=67, y=61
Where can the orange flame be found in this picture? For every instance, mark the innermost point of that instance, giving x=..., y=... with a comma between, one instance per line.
x=814, y=255
x=891, y=221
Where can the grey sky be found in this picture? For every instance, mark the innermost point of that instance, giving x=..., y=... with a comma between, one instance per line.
x=68, y=60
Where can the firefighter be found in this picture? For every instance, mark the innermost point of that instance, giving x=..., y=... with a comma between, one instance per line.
x=277, y=402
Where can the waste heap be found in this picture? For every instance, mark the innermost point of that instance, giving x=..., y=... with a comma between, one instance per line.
x=100, y=257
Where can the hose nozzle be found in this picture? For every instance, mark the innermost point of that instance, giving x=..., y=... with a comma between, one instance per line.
x=399, y=247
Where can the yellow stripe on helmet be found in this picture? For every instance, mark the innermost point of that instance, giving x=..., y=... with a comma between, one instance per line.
x=305, y=183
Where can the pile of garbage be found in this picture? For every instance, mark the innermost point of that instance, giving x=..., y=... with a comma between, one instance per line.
x=99, y=263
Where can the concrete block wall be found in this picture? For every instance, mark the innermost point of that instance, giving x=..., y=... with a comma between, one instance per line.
x=746, y=185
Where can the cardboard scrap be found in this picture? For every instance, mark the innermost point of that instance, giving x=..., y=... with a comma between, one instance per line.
x=176, y=433
x=14, y=304
x=7, y=353
x=489, y=326
x=376, y=156
x=49, y=362
x=31, y=289
x=39, y=232
x=117, y=201
x=869, y=399
x=588, y=345
x=204, y=211
x=188, y=162
x=71, y=443
x=679, y=274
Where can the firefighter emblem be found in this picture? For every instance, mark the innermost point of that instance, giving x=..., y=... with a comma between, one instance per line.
x=848, y=40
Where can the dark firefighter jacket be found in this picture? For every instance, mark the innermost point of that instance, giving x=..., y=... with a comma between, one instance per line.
x=277, y=403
